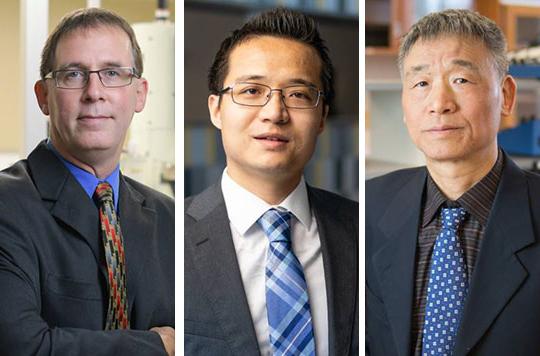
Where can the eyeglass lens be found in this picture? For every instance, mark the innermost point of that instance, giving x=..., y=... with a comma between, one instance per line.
x=78, y=78
x=252, y=94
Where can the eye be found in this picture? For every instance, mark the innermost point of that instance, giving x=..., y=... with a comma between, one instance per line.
x=298, y=95
x=110, y=73
x=420, y=84
x=250, y=91
x=74, y=74
x=461, y=81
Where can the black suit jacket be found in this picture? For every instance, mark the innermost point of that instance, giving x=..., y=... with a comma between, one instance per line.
x=502, y=311
x=53, y=286
x=217, y=320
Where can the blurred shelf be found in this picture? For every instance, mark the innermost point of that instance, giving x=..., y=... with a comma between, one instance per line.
x=525, y=71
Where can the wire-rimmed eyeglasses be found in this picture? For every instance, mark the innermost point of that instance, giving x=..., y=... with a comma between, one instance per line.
x=113, y=77
x=254, y=94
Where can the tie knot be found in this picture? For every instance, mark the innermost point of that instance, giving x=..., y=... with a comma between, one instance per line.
x=276, y=225
x=452, y=217
x=104, y=192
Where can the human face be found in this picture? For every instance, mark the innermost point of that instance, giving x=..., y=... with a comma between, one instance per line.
x=91, y=123
x=271, y=142
x=453, y=99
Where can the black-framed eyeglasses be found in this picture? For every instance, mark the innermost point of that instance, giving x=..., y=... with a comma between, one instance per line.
x=113, y=77
x=254, y=94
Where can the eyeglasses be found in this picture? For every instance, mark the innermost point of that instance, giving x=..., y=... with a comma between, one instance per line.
x=78, y=78
x=254, y=94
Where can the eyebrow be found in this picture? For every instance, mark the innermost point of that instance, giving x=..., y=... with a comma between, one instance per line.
x=416, y=69
x=83, y=66
x=465, y=64
x=262, y=77
x=456, y=62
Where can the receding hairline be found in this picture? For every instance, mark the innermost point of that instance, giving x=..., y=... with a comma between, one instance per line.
x=86, y=30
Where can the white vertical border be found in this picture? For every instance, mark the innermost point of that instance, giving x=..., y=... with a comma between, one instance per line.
x=362, y=174
x=34, y=16
x=179, y=175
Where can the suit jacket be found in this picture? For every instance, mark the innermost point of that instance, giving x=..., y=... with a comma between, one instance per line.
x=502, y=310
x=53, y=285
x=217, y=317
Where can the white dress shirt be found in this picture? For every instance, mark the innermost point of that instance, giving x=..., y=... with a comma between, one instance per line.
x=251, y=244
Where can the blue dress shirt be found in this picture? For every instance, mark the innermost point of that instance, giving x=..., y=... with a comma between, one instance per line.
x=87, y=180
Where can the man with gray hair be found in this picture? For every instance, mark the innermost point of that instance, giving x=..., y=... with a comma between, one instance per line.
x=452, y=250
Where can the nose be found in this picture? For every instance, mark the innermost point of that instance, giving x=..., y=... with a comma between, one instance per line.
x=275, y=110
x=94, y=89
x=441, y=99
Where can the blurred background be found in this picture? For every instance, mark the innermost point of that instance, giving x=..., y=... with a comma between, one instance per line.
x=206, y=23
x=148, y=154
x=388, y=146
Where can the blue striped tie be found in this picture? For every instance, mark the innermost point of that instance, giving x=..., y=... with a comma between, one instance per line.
x=447, y=288
x=287, y=304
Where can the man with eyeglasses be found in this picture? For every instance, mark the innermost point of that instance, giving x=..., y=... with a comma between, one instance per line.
x=86, y=253
x=271, y=263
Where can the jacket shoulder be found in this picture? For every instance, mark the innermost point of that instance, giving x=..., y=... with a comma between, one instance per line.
x=387, y=185
x=152, y=197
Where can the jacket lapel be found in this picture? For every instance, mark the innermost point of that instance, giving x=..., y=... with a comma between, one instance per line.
x=498, y=273
x=340, y=259
x=395, y=261
x=137, y=223
x=215, y=259
x=66, y=199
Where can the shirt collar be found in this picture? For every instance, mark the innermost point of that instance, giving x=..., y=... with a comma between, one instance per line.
x=87, y=180
x=245, y=208
x=478, y=200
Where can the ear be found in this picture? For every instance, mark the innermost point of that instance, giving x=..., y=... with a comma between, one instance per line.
x=41, y=91
x=215, y=110
x=509, y=95
x=326, y=109
x=142, y=92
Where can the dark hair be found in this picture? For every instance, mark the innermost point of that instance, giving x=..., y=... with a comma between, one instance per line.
x=87, y=19
x=278, y=22
x=463, y=23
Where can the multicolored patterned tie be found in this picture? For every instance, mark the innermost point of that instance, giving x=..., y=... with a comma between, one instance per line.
x=287, y=304
x=447, y=287
x=117, y=312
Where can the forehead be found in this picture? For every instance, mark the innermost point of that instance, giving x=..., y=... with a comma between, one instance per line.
x=95, y=45
x=447, y=50
x=275, y=61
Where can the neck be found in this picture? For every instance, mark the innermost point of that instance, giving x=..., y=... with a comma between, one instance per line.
x=273, y=189
x=100, y=164
x=456, y=177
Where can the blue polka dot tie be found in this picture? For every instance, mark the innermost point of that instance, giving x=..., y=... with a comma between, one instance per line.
x=287, y=304
x=447, y=287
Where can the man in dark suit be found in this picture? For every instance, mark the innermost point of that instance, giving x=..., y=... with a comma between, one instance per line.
x=72, y=282
x=254, y=284
x=452, y=248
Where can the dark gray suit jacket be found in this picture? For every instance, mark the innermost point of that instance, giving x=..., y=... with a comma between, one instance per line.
x=53, y=287
x=217, y=319
x=502, y=311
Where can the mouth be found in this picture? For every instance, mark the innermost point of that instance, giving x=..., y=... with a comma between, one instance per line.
x=272, y=138
x=93, y=117
x=443, y=129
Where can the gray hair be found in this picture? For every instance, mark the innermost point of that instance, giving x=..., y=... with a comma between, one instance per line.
x=461, y=23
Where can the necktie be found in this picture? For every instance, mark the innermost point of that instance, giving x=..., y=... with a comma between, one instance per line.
x=447, y=287
x=117, y=312
x=287, y=304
